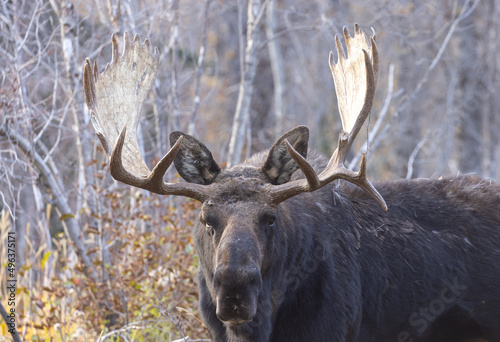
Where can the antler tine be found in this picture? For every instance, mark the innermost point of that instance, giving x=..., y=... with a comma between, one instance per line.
x=355, y=78
x=114, y=99
x=306, y=168
x=374, y=56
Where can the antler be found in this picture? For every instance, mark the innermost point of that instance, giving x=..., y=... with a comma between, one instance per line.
x=355, y=79
x=114, y=99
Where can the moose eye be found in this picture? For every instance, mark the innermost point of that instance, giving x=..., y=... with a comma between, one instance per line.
x=267, y=218
x=209, y=221
x=271, y=222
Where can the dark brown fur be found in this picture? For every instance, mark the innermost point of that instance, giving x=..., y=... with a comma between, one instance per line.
x=332, y=266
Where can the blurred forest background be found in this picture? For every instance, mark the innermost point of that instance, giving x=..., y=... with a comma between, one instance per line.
x=97, y=259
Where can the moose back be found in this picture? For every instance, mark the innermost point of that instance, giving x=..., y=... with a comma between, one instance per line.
x=289, y=254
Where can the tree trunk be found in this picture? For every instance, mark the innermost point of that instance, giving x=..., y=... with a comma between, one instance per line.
x=246, y=83
x=276, y=59
x=470, y=130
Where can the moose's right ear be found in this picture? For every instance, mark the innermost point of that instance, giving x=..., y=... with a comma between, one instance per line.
x=280, y=165
x=194, y=162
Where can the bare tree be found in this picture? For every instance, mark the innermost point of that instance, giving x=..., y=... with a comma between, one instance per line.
x=470, y=128
x=276, y=59
x=255, y=11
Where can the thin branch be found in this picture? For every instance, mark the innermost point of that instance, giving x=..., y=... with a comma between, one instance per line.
x=29, y=27
x=54, y=98
x=199, y=72
x=168, y=315
x=131, y=326
x=294, y=29
x=414, y=154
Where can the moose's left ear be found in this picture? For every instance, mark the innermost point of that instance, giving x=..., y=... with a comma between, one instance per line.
x=280, y=165
x=194, y=161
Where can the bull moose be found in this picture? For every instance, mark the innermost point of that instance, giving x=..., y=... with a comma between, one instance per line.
x=286, y=253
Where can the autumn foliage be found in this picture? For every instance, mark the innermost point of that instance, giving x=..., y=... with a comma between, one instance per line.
x=149, y=292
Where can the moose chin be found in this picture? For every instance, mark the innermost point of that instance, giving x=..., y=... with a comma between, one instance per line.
x=293, y=246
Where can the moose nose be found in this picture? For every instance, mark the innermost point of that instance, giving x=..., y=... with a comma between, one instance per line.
x=237, y=290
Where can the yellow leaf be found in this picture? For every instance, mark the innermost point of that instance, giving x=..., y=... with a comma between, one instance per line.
x=67, y=216
x=45, y=258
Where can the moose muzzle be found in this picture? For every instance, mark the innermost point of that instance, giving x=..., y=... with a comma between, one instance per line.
x=237, y=277
x=237, y=290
